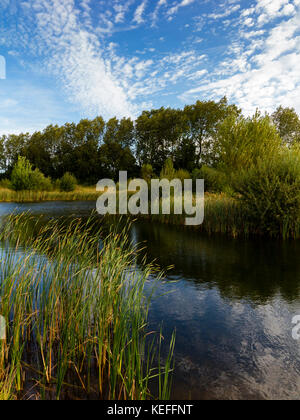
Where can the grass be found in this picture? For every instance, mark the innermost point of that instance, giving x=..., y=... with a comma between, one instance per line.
x=76, y=315
x=80, y=194
x=226, y=215
x=223, y=213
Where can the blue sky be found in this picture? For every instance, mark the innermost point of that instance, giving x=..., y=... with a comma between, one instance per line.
x=71, y=59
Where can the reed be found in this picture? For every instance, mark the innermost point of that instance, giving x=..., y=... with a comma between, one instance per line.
x=80, y=194
x=77, y=314
x=226, y=215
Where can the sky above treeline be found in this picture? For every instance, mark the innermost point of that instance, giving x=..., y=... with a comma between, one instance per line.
x=72, y=59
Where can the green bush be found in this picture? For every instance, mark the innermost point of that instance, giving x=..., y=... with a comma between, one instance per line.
x=182, y=174
x=147, y=172
x=23, y=177
x=40, y=182
x=5, y=183
x=56, y=185
x=270, y=193
x=68, y=183
x=168, y=171
x=214, y=180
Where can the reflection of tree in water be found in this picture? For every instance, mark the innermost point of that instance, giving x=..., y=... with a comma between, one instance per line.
x=254, y=270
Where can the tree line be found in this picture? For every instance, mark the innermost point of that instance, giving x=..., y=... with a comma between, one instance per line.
x=205, y=134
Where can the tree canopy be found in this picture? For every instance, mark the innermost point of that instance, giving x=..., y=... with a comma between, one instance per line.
x=208, y=133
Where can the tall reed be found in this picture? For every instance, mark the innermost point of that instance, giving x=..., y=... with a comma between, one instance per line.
x=77, y=312
x=80, y=194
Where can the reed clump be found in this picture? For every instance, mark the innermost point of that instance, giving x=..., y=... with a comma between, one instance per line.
x=80, y=194
x=76, y=313
x=227, y=214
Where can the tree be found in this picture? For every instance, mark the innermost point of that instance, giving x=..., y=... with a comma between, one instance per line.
x=203, y=119
x=240, y=142
x=158, y=133
x=185, y=156
x=14, y=147
x=114, y=158
x=37, y=152
x=147, y=172
x=287, y=123
x=2, y=154
x=168, y=171
x=23, y=177
x=68, y=183
x=121, y=132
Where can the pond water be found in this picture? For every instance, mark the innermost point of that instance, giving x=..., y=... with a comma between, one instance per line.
x=231, y=302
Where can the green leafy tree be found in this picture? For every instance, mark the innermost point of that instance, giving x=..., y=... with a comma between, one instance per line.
x=203, y=120
x=168, y=171
x=68, y=182
x=147, y=172
x=14, y=147
x=114, y=158
x=287, y=123
x=23, y=177
x=158, y=133
x=2, y=155
x=270, y=193
x=121, y=132
x=240, y=142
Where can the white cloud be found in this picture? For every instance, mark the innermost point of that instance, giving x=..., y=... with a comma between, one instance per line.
x=138, y=16
x=263, y=74
x=76, y=56
x=183, y=3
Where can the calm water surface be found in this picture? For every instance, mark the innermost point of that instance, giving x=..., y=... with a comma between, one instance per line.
x=231, y=302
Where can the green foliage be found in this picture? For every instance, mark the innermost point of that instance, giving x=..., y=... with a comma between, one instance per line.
x=240, y=142
x=168, y=171
x=24, y=178
x=147, y=172
x=113, y=157
x=182, y=174
x=203, y=120
x=214, y=180
x=270, y=193
x=121, y=132
x=2, y=154
x=5, y=183
x=287, y=123
x=98, y=336
x=68, y=182
x=158, y=133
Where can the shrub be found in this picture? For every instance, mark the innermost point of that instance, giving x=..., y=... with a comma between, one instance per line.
x=5, y=183
x=168, y=171
x=182, y=174
x=214, y=180
x=147, y=173
x=20, y=177
x=270, y=193
x=39, y=182
x=68, y=183
x=23, y=177
x=56, y=185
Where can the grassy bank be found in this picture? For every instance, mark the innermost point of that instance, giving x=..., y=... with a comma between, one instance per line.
x=80, y=194
x=223, y=213
x=226, y=215
x=76, y=315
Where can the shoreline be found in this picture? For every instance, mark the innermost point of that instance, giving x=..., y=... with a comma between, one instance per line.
x=81, y=194
x=223, y=214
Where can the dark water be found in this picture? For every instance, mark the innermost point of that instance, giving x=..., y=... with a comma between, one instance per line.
x=231, y=302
